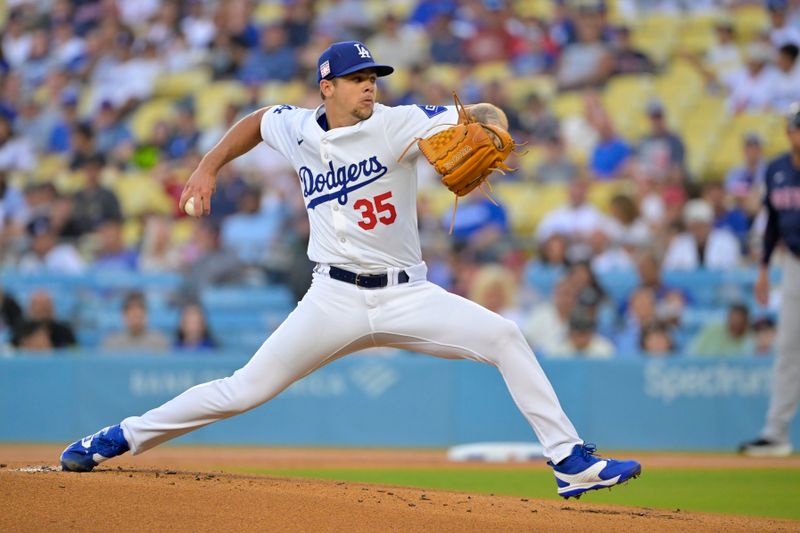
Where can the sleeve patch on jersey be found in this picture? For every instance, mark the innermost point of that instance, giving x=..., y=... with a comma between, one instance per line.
x=281, y=108
x=432, y=110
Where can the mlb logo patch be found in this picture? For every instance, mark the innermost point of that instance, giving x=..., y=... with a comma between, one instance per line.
x=325, y=69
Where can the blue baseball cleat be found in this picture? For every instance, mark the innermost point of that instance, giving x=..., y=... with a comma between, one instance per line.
x=87, y=453
x=583, y=471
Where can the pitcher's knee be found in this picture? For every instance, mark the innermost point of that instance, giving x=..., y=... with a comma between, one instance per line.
x=508, y=339
x=237, y=397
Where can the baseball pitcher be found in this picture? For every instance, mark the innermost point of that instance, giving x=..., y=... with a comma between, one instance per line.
x=355, y=161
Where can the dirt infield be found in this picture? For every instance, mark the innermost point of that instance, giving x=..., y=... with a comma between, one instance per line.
x=194, y=489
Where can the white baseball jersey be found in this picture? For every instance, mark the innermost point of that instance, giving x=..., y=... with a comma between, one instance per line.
x=361, y=202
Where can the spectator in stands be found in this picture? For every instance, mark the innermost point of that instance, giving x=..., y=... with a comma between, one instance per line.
x=546, y=325
x=81, y=146
x=782, y=31
x=40, y=313
x=11, y=316
x=657, y=341
x=726, y=339
x=589, y=294
x=491, y=39
x=608, y=253
x=729, y=217
x=60, y=139
x=426, y=12
x=627, y=58
x=661, y=148
x=764, y=333
x=537, y=121
x=193, y=331
x=46, y=254
x=611, y=154
x=702, y=246
x=670, y=301
x=110, y=130
x=445, y=46
x=576, y=220
x=197, y=26
x=39, y=61
x=587, y=63
x=136, y=336
x=16, y=153
x=723, y=57
x=640, y=314
x=206, y=262
x=582, y=340
x=400, y=44
x=272, y=60
x=553, y=251
x=13, y=215
x=343, y=20
x=751, y=88
x=112, y=254
x=750, y=176
x=185, y=136
x=158, y=252
x=495, y=287
x=627, y=227
x=480, y=224
x=250, y=231
x=786, y=89
x=95, y=203
x=34, y=337
x=16, y=39
x=556, y=165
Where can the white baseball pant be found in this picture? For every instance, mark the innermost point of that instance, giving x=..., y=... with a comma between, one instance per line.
x=334, y=319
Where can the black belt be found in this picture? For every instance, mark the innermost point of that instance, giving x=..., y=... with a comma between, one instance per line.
x=365, y=281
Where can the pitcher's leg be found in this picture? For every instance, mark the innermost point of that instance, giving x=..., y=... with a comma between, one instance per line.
x=429, y=319
x=312, y=335
x=786, y=374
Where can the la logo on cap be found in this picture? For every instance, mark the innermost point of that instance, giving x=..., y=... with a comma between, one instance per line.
x=362, y=50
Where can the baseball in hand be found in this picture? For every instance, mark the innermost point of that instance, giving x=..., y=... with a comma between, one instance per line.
x=189, y=209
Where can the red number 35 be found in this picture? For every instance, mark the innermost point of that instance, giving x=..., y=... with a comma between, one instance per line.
x=371, y=209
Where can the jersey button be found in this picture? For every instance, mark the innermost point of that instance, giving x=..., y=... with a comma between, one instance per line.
x=336, y=208
x=343, y=240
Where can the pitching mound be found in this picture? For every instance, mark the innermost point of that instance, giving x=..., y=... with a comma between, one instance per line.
x=128, y=495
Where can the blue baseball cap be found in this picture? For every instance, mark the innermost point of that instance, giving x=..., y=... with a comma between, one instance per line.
x=346, y=57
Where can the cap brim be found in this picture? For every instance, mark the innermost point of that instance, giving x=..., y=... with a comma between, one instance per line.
x=380, y=70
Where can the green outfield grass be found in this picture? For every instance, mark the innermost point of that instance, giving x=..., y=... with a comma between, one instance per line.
x=759, y=492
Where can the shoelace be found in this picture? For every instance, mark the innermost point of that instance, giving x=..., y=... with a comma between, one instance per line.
x=588, y=450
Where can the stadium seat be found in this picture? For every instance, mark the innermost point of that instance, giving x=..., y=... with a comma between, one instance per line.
x=276, y=92
x=148, y=115
x=520, y=87
x=268, y=12
x=750, y=21
x=181, y=84
x=212, y=100
x=263, y=298
x=494, y=71
x=568, y=104
x=139, y=193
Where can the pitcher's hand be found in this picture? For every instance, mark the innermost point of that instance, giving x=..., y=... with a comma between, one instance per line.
x=201, y=186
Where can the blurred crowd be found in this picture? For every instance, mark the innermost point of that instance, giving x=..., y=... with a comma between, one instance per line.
x=106, y=107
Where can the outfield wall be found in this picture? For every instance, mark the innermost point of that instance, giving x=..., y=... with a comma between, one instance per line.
x=390, y=400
